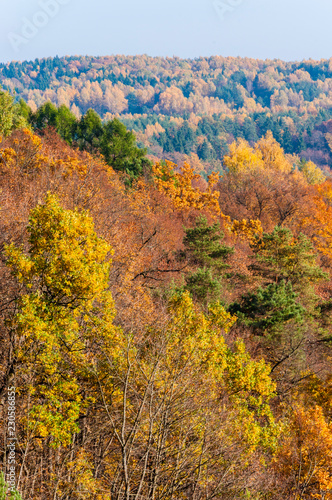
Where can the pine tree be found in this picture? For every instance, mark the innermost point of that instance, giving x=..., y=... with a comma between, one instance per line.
x=269, y=307
x=205, y=249
x=118, y=145
x=280, y=256
x=45, y=116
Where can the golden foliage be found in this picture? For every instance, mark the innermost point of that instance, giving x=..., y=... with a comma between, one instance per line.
x=306, y=454
x=319, y=222
x=247, y=229
x=25, y=154
x=311, y=172
x=266, y=155
x=243, y=158
x=65, y=274
x=273, y=154
x=178, y=187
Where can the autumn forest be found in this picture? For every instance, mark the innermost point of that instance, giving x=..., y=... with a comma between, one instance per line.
x=166, y=279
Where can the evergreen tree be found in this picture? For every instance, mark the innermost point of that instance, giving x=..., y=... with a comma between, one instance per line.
x=65, y=123
x=205, y=249
x=118, y=145
x=45, y=116
x=24, y=110
x=280, y=256
x=269, y=307
x=204, y=151
x=287, y=141
x=89, y=130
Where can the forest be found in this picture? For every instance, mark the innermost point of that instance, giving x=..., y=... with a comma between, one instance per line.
x=165, y=328
x=190, y=110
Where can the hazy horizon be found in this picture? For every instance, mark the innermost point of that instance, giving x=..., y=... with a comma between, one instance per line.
x=245, y=28
x=162, y=56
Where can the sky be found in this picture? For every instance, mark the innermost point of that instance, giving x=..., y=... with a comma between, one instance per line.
x=265, y=29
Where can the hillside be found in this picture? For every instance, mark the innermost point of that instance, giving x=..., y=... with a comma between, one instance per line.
x=190, y=108
x=164, y=335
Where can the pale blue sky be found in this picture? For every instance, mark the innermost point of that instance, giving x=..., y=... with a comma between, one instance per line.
x=285, y=29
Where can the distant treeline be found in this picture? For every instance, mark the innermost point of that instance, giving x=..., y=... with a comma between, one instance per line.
x=190, y=107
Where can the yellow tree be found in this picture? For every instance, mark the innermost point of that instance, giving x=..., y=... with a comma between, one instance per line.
x=24, y=154
x=267, y=154
x=178, y=187
x=304, y=461
x=63, y=307
x=273, y=154
x=311, y=172
x=242, y=158
x=319, y=222
x=190, y=413
x=246, y=229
